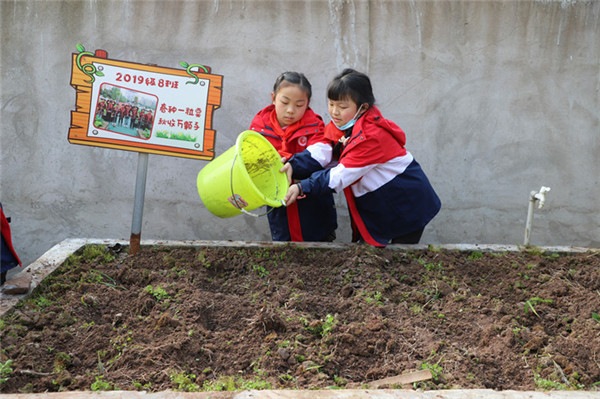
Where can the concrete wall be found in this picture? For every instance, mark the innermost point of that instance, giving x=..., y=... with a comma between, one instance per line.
x=497, y=99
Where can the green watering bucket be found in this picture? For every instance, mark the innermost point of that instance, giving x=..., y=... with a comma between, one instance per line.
x=248, y=172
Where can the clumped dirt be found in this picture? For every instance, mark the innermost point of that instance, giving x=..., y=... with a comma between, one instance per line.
x=289, y=317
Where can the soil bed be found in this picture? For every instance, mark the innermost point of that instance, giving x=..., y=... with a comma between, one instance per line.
x=295, y=318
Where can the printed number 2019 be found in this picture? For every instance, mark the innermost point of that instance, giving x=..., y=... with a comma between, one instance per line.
x=129, y=78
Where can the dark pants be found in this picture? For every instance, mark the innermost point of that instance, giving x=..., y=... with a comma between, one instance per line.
x=410, y=238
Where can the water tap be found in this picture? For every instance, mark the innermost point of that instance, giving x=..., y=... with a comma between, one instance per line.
x=540, y=196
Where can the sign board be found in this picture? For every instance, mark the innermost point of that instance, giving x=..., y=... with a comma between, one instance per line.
x=143, y=108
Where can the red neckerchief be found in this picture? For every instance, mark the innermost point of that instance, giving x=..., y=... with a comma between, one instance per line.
x=333, y=133
x=285, y=134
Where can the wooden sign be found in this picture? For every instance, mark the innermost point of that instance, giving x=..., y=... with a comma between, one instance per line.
x=143, y=108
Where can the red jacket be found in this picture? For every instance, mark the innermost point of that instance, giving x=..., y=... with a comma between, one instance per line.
x=309, y=131
x=9, y=257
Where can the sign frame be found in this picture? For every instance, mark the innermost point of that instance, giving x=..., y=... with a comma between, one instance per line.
x=85, y=75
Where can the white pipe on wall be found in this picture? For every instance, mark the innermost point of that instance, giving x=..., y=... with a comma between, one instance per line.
x=533, y=197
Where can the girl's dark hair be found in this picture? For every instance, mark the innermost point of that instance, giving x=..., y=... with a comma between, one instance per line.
x=351, y=84
x=296, y=78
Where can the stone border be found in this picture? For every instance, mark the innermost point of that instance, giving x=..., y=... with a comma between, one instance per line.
x=316, y=394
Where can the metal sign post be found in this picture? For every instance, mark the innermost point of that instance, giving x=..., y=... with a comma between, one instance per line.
x=138, y=203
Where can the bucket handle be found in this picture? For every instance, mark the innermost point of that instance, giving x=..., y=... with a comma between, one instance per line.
x=233, y=194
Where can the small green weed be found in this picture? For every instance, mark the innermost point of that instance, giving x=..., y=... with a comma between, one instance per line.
x=287, y=377
x=431, y=266
x=142, y=387
x=374, y=298
x=475, y=255
x=547, y=385
x=416, y=308
x=531, y=250
x=339, y=381
x=5, y=370
x=185, y=382
x=61, y=362
x=41, y=302
x=529, y=305
x=259, y=269
x=101, y=385
x=169, y=260
x=228, y=383
x=179, y=271
x=435, y=368
x=158, y=293
x=98, y=277
x=328, y=324
x=322, y=327
x=537, y=300
x=201, y=257
x=96, y=252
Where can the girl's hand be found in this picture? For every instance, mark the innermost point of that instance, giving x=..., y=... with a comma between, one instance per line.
x=287, y=169
x=292, y=195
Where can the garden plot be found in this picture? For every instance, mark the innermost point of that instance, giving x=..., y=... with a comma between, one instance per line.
x=292, y=317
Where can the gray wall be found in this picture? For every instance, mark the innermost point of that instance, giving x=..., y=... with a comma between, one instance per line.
x=497, y=98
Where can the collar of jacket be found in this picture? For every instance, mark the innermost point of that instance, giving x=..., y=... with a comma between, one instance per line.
x=262, y=124
x=369, y=120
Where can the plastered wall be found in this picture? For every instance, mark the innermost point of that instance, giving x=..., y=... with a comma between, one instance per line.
x=497, y=98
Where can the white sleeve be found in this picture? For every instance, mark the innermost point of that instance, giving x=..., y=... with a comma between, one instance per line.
x=341, y=177
x=321, y=152
x=368, y=178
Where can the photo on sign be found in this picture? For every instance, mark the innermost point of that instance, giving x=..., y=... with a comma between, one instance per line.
x=125, y=111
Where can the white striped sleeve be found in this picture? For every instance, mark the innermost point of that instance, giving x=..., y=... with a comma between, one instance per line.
x=321, y=152
x=368, y=178
x=341, y=177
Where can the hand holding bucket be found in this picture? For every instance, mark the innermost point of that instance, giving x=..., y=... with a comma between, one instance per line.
x=248, y=172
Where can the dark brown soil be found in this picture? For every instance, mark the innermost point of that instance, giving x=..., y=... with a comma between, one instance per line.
x=291, y=317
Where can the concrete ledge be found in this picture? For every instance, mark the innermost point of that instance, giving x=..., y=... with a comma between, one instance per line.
x=319, y=394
